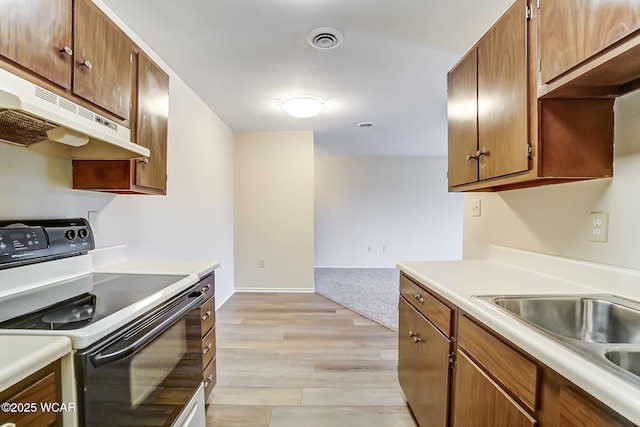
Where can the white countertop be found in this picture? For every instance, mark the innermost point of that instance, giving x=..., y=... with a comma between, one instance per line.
x=21, y=356
x=514, y=272
x=114, y=259
x=199, y=268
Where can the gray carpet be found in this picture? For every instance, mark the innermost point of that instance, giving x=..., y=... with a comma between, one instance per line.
x=372, y=292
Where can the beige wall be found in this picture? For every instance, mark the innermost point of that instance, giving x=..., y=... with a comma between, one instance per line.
x=555, y=219
x=274, y=210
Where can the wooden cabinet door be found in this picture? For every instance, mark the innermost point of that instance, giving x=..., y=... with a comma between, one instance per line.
x=571, y=31
x=103, y=55
x=151, y=123
x=502, y=95
x=423, y=367
x=35, y=33
x=480, y=402
x=462, y=115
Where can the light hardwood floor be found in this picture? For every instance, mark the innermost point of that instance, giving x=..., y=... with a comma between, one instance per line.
x=301, y=360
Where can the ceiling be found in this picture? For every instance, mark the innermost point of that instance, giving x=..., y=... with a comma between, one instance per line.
x=243, y=56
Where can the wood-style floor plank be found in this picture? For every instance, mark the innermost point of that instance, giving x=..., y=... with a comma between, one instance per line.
x=302, y=360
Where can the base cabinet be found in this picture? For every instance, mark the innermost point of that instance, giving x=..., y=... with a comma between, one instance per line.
x=483, y=402
x=208, y=324
x=423, y=367
x=492, y=383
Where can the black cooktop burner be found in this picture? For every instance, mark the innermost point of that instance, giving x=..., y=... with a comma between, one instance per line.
x=109, y=294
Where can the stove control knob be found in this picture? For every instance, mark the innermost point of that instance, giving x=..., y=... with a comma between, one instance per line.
x=83, y=233
x=70, y=234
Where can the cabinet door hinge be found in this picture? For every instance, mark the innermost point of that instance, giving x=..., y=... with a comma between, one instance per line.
x=530, y=150
x=538, y=4
x=529, y=12
x=539, y=64
x=451, y=360
x=130, y=105
x=131, y=58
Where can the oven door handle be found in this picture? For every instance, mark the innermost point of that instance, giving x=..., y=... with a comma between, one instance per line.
x=102, y=358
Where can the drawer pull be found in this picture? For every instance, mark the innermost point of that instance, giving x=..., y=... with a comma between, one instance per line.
x=208, y=381
x=206, y=288
x=8, y=425
x=419, y=297
x=207, y=349
x=87, y=64
x=67, y=50
x=206, y=315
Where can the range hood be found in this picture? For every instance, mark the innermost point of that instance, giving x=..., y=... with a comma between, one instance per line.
x=40, y=120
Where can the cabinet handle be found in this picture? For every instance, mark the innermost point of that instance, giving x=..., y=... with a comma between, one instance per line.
x=480, y=153
x=208, y=381
x=416, y=340
x=69, y=52
x=206, y=315
x=412, y=334
x=207, y=349
x=87, y=64
x=419, y=297
x=206, y=288
x=145, y=161
x=8, y=425
x=471, y=157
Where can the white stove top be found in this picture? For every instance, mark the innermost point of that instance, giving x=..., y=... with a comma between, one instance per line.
x=29, y=288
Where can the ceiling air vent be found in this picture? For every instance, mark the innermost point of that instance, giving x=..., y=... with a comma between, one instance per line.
x=325, y=38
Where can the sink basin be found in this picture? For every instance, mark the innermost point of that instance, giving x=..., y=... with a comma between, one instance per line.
x=598, y=319
x=627, y=360
x=604, y=329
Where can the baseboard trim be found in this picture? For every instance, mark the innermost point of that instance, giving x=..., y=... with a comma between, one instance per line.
x=278, y=290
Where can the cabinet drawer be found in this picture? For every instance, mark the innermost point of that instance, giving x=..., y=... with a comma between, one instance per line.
x=515, y=372
x=207, y=315
x=43, y=390
x=208, y=347
x=209, y=379
x=207, y=285
x=438, y=313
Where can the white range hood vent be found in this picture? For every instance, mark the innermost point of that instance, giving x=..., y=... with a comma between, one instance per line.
x=37, y=119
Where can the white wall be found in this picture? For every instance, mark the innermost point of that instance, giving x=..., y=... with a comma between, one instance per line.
x=274, y=210
x=555, y=219
x=400, y=202
x=193, y=222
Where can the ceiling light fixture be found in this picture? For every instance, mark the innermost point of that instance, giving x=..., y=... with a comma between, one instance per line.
x=302, y=107
x=325, y=38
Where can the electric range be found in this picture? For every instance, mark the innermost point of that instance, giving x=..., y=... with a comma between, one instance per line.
x=136, y=337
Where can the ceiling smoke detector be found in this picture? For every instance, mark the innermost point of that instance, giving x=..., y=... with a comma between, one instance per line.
x=325, y=38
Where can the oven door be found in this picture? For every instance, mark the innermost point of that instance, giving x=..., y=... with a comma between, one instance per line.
x=146, y=373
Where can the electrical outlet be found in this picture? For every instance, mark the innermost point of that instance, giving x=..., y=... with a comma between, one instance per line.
x=476, y=208
x=598, y=227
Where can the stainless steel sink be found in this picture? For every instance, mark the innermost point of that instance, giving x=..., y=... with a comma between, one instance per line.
x=625, y=359
x=602, y=328
x=602, y=319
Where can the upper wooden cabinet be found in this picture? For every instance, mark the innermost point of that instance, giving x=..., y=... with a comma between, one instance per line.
x=149, y=127
x=488, y=104
x=37, y=35
x=75, y=46
x=502, y=135
x=103, y=60
x=502, y=96
x=572, y=31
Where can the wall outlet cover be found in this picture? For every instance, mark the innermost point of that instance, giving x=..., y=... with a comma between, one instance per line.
x=598, y=227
